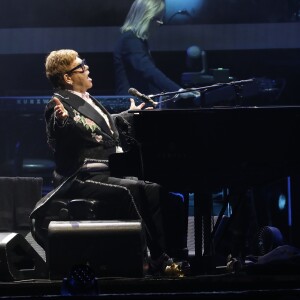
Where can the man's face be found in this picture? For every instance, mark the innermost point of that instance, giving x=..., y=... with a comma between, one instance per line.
x=79, y=75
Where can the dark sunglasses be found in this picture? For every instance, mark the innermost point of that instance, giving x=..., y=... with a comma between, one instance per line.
x=81, y=65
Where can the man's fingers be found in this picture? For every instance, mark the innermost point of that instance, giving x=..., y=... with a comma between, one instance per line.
x=141, y=105
x=59, y=109
x=57, y=101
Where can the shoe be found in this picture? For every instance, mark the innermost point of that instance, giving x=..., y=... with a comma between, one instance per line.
x=233, y=264
x=165, y=266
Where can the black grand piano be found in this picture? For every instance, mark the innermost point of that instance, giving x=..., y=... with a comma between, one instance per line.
x=205, y=149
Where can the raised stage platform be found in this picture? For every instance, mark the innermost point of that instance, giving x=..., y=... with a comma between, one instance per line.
x=277, y=282
x=225, y=286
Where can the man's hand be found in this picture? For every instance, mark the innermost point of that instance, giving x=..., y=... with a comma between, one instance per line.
x=133, y=106
x=60, y=112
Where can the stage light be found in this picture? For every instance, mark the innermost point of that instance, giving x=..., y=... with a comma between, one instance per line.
x=81, y=281
x=282, y=202
x=197, y=70
x=196, y=59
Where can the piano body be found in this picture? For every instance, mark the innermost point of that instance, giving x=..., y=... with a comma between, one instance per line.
x=207, y=149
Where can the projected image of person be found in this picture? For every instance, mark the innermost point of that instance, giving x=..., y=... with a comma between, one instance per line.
x=133, y=64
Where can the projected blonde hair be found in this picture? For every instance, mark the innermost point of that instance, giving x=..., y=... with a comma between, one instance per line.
x=141, y=14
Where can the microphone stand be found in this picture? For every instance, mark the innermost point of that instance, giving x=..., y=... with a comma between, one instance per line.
x=236, y=84
x=203, y=88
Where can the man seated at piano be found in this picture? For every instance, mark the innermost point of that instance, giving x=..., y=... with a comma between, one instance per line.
x=80, y=131
x=133, y=63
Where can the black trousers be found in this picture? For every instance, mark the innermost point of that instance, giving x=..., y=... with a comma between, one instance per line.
x=126, y=199
x=112, y=198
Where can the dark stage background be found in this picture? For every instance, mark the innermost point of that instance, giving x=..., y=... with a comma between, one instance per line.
x=251, y=39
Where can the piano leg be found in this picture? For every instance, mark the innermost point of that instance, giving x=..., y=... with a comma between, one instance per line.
x=204, y=251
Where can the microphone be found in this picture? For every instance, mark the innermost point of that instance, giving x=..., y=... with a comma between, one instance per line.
x=144, y=98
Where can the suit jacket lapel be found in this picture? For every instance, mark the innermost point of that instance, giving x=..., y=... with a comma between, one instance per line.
x=87, y=110
x=111, y=122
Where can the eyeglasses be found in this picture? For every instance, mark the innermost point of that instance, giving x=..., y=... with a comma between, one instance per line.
x=81, y=65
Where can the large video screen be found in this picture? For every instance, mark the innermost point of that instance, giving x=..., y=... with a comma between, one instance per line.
x=231, y=11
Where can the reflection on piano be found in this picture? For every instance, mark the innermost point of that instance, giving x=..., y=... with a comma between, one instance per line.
x=203, y=150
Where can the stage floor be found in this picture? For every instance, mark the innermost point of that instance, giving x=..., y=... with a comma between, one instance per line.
x=278, y=282
x=229, y=286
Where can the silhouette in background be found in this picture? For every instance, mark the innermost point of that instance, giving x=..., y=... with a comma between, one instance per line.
x=133, y=63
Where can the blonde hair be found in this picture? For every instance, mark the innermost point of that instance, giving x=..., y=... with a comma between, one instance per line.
x=57, y=64
x=140, y=15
